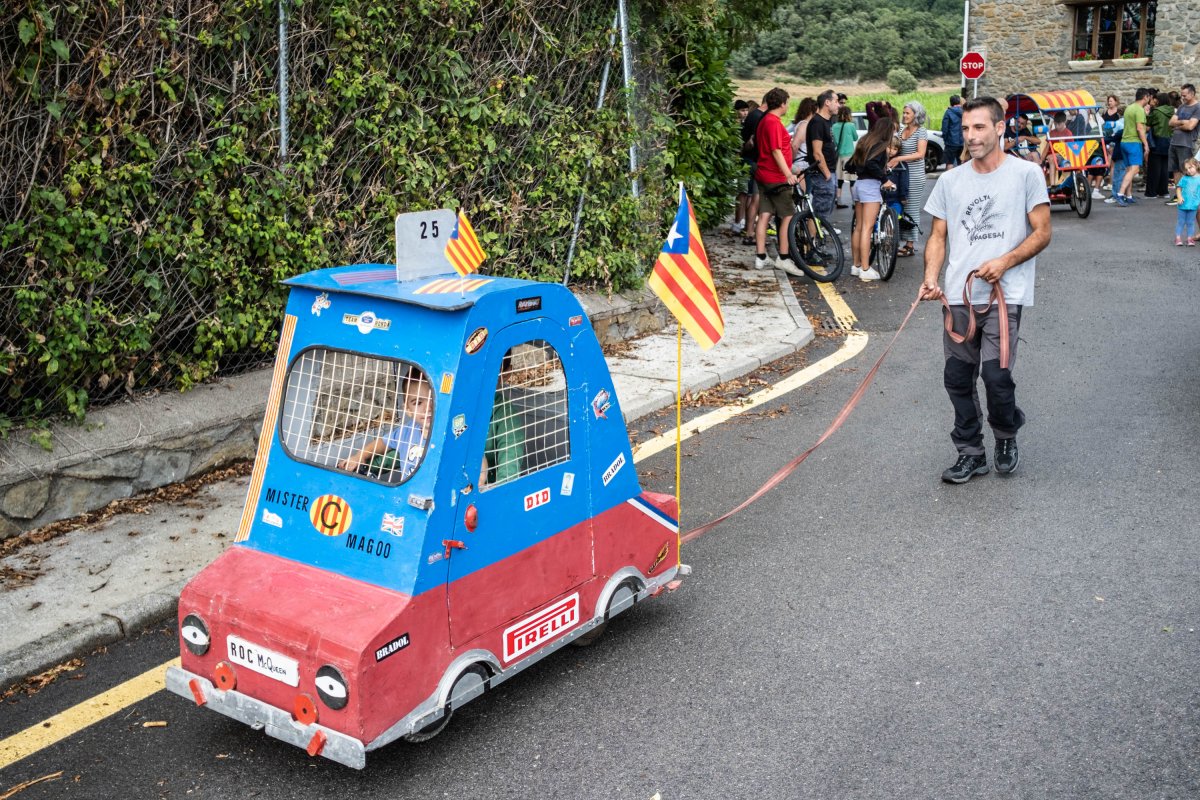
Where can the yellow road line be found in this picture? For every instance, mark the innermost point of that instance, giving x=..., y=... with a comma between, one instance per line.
x=89, y=712
x=73, y=720
x=841, y=312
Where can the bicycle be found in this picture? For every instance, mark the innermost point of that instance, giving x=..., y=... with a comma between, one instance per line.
x=812, y=241
x=885, y=241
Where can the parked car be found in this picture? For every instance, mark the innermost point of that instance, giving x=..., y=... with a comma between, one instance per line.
x=934, y=148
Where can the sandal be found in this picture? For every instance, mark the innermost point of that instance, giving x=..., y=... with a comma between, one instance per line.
x=906, y=251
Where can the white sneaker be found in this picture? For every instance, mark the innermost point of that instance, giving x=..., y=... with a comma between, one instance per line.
x=1097, y=194
x=871, y=274
x=855, y=272
x=787, y=265
x=738, y=227
x=761, y=262
x=1111, y=200
x=838, y=231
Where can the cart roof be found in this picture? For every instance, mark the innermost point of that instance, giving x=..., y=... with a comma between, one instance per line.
x=445, y=292
x=1064, y=100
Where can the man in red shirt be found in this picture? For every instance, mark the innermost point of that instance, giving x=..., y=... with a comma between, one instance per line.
x=773, y=171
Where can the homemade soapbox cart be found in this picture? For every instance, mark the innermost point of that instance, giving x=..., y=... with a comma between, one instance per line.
x=444, y=493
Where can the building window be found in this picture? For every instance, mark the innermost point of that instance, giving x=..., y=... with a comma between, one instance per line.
x=1113, y=30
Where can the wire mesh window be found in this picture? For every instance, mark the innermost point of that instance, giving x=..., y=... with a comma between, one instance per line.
x=357, y=413
x=530, y=426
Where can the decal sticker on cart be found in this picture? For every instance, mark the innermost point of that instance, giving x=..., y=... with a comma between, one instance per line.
x=452, y=286
x=287, y=499
x=321, y=303
x=538, y=498
x=447, y=382
x=330, y=515
x=613, y=469
x=654, y=514
x=540, y=628
x=263, y=661
x=366, y=322
x=274, y=520
x=527, y=304
x=575, y=321
x=393, y=524
x=568, y=484
x=600, y=404
x=658, y=559
x=459, y=425
x=369, y=546
x=475, y=341
x=392, y=647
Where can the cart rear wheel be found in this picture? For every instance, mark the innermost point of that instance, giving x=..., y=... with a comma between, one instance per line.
x=624, y=593
x=471, y=683
x=1082, y=194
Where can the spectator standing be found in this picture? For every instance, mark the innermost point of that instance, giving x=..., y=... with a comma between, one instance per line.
x=750, y=156
x=774, y=175
x=1159, y=123
x=1135, y=146
x=869, y=162
x=1185, y=125
x=1188, y=193
x=798, y=129
x=952, y=131
x=822, y=154
x=991, y=217
x=742, y=206
x=845, y=134
x=1113, y=124
x=913, y=139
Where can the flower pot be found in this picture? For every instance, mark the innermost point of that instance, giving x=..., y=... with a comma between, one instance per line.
x=1083, y=66
x=1132, y=62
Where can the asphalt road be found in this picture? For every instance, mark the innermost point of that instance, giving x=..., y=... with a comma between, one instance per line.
x=864, y=631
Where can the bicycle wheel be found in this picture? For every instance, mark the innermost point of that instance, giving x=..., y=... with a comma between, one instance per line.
x=818, y=252
x=885, y=241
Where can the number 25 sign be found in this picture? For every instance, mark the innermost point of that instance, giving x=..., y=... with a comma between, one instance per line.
x=421, y=238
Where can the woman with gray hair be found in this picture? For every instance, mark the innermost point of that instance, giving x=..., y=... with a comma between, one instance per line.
x=913, y=138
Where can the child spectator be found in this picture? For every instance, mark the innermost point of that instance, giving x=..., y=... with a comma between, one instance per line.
x=395, y=455
x=1188, y=194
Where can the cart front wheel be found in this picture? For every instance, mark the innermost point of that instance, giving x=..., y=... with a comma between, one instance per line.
x=1082, y=194
x=471, y=683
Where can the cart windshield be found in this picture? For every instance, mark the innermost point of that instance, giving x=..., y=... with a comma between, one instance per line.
x=356, y=413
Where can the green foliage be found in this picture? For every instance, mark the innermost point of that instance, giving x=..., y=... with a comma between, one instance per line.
x=900, y=80
x=155, y=220
x=864, y=39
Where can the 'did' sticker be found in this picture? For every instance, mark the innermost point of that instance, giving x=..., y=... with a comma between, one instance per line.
x=330, y=515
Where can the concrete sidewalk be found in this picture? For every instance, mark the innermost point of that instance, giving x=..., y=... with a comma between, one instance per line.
x=99, y=583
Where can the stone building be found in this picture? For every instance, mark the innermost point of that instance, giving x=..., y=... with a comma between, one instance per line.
x=1038, y=45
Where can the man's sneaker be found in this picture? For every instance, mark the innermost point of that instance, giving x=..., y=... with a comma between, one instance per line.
x=761, y=262
x=771, y=230
x=1114, y=199
x=855, y=271
x=1123, y=201
x=1097, y=194
x=1006, y=456
x=965, y=468
x=871, y=274
x=1171, y=202
x=786, y=264
x=738, y=227
x=1131, y=200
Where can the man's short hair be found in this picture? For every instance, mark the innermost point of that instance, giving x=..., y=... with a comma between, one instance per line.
x=824, y=97
x=738, y=105
x=990, y=103
x=775, y=98
x=1141, y=94
x=1187, y=87
x=955, y=99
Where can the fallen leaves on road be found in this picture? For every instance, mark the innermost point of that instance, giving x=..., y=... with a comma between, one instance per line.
x=20, y=787
x=36, y=683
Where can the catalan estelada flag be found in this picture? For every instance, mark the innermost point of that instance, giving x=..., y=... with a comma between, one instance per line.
x=463, y=250
x=683, y=280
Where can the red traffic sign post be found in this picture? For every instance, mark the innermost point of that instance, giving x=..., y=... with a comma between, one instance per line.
x=972, y=65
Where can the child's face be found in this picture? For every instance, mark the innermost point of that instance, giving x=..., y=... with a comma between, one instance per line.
x=418, y=402
x=1191, y=169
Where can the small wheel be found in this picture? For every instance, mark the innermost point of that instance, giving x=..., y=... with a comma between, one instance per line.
x=1082, y=195
x=885, y=243
x=933, y=157
x=623, y=595
x=472, y=678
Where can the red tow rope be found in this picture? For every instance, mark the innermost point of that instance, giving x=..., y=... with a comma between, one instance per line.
x=997, y=297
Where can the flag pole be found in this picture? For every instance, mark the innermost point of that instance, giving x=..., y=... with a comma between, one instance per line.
x=678, y=437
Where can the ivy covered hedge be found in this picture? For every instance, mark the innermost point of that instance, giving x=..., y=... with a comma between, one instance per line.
x=148, y=218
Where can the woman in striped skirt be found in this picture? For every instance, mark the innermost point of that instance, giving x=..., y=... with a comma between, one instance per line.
x=913, y=138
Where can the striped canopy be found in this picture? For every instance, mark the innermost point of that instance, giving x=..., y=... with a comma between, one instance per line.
x=1050, y=101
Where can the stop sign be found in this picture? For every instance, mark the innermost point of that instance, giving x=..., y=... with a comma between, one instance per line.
x=972, y=65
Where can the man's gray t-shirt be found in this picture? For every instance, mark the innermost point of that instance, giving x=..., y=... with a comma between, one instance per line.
x=1180, y=137
x=986, y=217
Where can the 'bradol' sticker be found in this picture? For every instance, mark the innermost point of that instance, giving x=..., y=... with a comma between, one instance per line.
x=613, y=469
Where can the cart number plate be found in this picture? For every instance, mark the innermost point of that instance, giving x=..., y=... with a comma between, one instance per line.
x=264, y=661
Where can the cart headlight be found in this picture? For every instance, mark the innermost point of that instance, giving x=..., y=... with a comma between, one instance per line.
x=195, y=634
x=332, y=687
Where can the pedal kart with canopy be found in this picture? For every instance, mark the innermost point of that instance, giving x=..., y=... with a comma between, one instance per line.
x=1067, y=155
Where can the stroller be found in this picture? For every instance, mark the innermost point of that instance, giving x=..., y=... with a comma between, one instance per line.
x=894, y=198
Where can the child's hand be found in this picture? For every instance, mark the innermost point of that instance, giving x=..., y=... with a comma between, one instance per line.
x=888, y=185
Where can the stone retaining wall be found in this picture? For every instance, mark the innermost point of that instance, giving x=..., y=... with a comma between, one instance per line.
x=157, y=440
